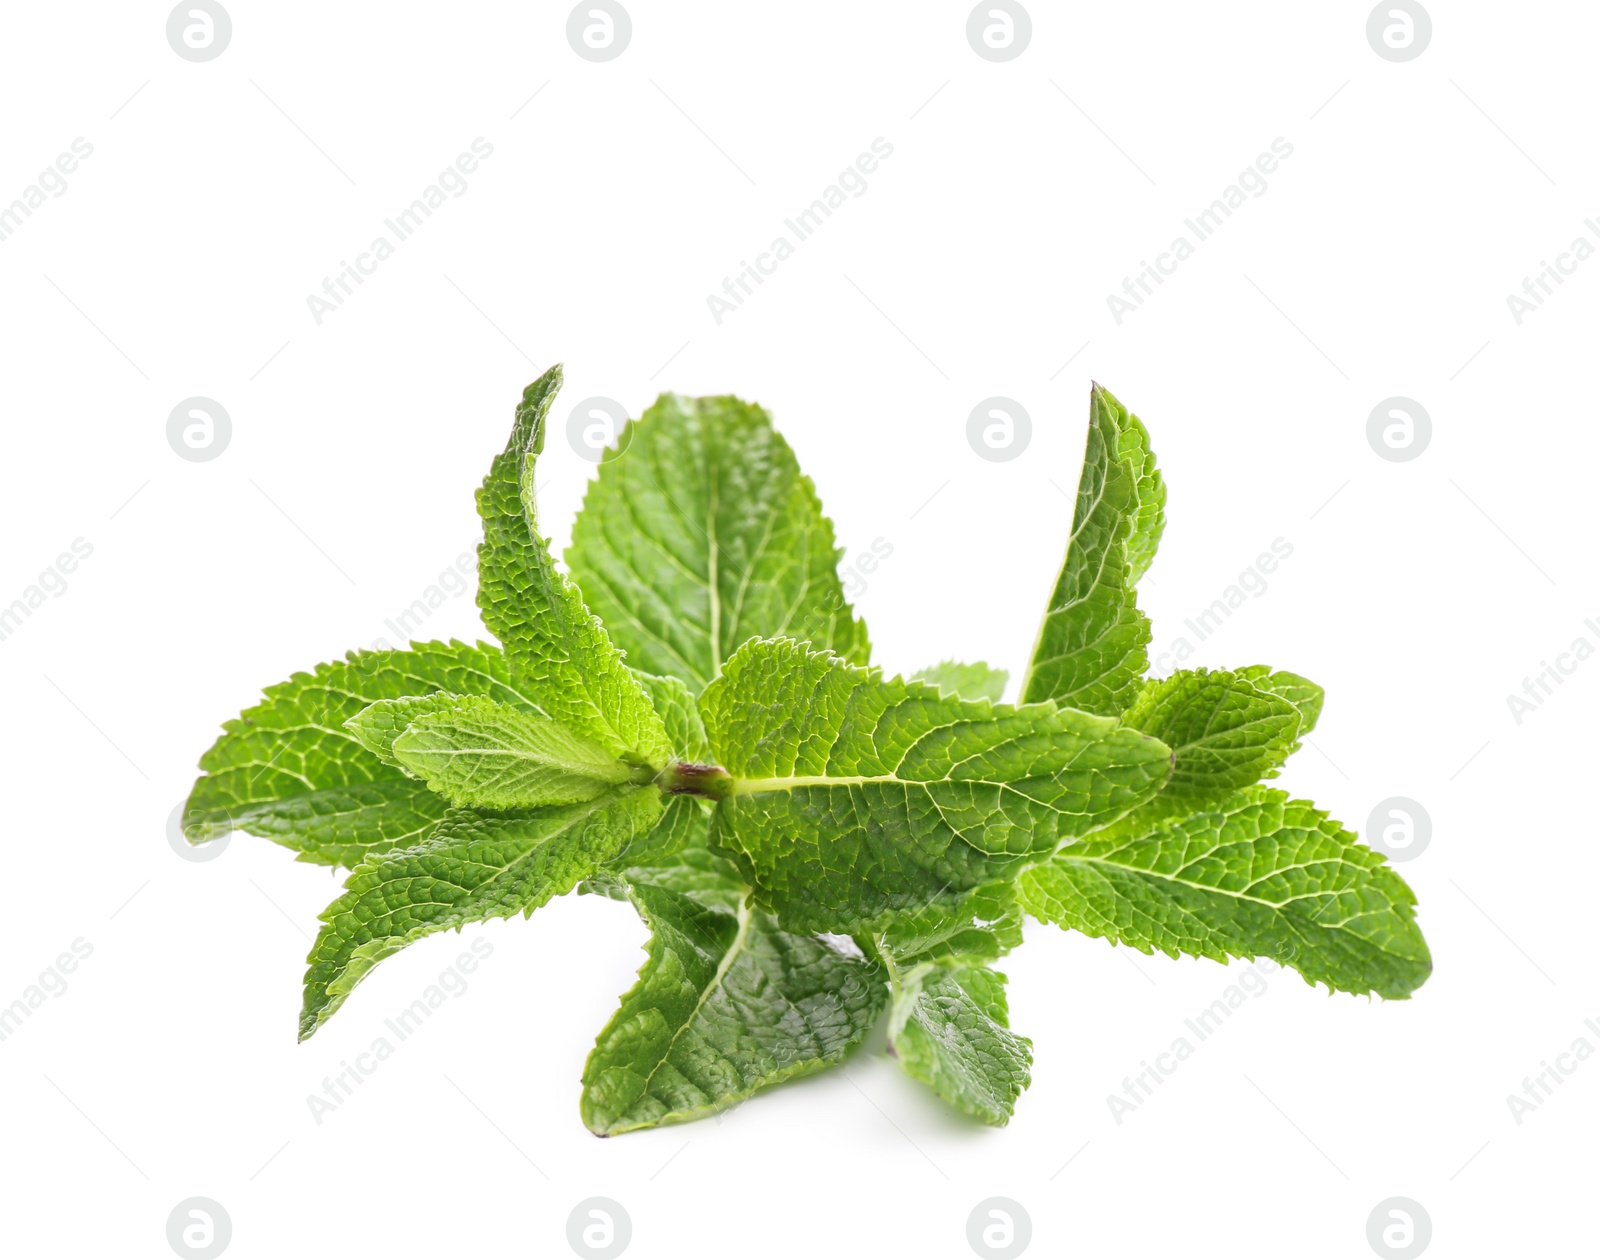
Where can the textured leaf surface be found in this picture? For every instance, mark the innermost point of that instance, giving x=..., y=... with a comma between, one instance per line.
x=1260, y=877
x=970, y=682
x=378, y=725
x=558, y=651
x=948, y=1027
x=1149, y=490
x=476, y=752
x=982, y=926
x=676, y=704
x=1304, y=694
x=700, y=533
x=854, y=796
x=1091, y=651
x=290, y=770
x=474, y=866
x=725, y=1004
x=1224, y=732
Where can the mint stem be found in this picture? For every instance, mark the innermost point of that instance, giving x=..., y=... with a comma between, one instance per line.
x=684, y=778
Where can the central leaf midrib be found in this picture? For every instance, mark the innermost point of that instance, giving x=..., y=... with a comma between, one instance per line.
x=585, y=769
x=735, y=948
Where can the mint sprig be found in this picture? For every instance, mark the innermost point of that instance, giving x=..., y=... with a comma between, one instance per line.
x=687, y=720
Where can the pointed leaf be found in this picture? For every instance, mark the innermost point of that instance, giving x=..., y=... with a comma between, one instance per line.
x=1304, y=694
x=474, y=866
x=1262, y=876
x=1224, y=733
x=382, y=722
x=559, y=652
x=725, y=1004
x=489, y=755
x=290, y=770
x=700, y=533
x=1150, y=491
x=853, y=796
x=1091, y=650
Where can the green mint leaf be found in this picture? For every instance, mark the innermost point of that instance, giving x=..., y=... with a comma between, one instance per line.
x=1261, y=876
x=289, y=770
x=970, y=682
x=948, y=1027
x=1224, y=732
x=701, y=532
x=559, y=652
x=1150, y=491
x=694, y=870
x=382, y=722
x=726, y=1003
x=676, y=704
x=474, y=866
x=1304, y=694
x=852, y=796
x=1091, y=650
x=489, y=755
x=947, y=1023
x=684, y=822
x=983, y=925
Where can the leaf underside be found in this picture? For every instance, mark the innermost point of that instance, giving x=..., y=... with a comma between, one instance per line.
x=726, y=1004
x=949, y=1028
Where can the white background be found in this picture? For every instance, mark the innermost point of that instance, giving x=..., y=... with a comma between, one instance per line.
x=177, y=263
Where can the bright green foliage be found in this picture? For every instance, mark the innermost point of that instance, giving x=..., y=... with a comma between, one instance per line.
x=983, y=925
x=854, y=796
x=948, y=1028
x=701, y=532
x=475, y=865
x=477, y=752
x=1150, y=491
x=1304, y=694
x=676, y=704
x=725, y=1004
x=948, y=1023
x=970, y=682
x=1223, y=731
x=1261, y=876
x=719, y=754
x=1091, y=651
x=382, y=722
x=289, y=770
x=558, y=650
